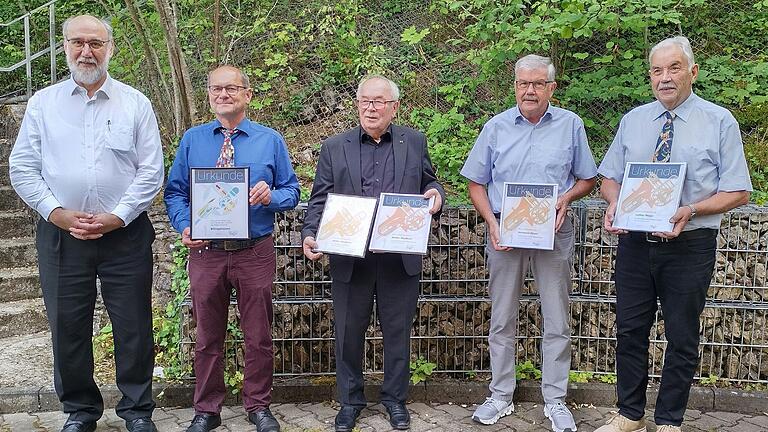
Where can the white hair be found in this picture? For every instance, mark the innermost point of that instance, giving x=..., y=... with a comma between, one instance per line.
x=392, y=86
x=534, y=62
x=104, y=22
x=681, y=42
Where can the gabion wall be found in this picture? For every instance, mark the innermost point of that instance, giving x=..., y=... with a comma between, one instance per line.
x=453, y=317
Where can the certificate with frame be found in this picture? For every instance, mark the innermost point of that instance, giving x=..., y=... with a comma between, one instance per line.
x=402, y=224
x=345, y=225
x=649, y=196
x=218, y=203
x=527, y=218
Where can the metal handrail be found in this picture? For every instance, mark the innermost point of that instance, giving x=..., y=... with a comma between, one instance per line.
x=53, y=47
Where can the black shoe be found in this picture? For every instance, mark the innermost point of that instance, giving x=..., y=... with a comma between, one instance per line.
x=78, y=426
x=399, y=417
x=204, y=423
x=264, y=421
x=143, y=424
x=345, y=419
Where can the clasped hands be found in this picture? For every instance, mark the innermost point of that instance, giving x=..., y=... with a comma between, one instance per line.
x=85, y=226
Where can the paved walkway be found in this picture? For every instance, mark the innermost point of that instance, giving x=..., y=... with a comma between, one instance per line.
x=316, y=417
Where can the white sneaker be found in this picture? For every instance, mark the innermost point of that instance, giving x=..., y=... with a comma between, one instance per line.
x=560, y=416
x=668, y=428
x=492, y=410
x=619, y=423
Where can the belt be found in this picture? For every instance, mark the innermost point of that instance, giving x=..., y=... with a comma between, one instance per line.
x=698, y=233
x=235, y=245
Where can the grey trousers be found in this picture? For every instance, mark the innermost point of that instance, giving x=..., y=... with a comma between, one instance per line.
x=552, y=273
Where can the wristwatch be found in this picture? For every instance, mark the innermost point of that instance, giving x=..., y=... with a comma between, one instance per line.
x=693, y=211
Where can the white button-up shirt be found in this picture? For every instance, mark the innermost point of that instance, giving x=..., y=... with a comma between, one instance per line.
x=98, y=155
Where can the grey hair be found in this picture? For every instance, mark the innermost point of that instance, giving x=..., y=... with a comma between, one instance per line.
x=103, y=22
x=533, y=61
x=243, y=77
x=681, y=42
x=392, y=86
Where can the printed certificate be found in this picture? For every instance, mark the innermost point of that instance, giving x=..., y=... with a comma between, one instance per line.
x=219, y=203
x=649, y=196
x=528, y=216
x=345, y=225
x=402, y=224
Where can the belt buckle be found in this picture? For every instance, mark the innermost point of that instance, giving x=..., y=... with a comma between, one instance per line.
x=230, y=245
x=650, y=238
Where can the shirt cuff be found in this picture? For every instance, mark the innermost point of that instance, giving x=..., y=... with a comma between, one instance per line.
x=47, y=206
x=124, y=212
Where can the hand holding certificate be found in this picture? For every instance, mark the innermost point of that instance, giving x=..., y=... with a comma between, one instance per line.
x=345, y=224
x=528, y=216
x=649, y=196
x=219, y=203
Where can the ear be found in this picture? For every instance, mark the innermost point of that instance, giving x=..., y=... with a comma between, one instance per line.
x=695, y=72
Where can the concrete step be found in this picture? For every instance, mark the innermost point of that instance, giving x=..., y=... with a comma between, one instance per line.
x=9, y=200
x=6, y=145
x=18, y=252
x=16, y=223
x=19, y=284
x=26, y=361
x=22, y=317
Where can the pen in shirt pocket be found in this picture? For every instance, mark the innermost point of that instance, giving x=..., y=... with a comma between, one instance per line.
x=109, y=126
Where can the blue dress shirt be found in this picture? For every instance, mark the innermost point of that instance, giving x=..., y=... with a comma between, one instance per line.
x=512, y=149
x=707, y=138
x=260, y=148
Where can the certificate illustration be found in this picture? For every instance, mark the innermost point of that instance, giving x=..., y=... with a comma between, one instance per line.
x=219, y=203
x=528, y=215
x=649, y=196
x=345, y=224
x=402, y=224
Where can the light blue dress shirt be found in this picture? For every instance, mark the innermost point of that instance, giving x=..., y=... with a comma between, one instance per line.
x=512, y=149
x=707, y=138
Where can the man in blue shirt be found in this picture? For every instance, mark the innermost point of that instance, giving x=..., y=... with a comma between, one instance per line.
x=216, y=267
x=674, y=267
x=532, y=142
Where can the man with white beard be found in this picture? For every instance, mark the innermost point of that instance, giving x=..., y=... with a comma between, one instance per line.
x=88, y=159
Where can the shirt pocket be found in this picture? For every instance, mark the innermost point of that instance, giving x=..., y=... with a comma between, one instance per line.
x=119, y=138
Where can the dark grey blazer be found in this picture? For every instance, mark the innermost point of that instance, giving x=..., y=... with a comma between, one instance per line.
x=338, y=171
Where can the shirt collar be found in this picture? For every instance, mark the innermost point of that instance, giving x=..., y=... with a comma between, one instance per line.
x=518, y=116
x=245, y=126
x=364, y=134
x=107, y=87
x=683, y=111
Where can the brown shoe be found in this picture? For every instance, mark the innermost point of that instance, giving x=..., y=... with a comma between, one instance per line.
x=619, y=423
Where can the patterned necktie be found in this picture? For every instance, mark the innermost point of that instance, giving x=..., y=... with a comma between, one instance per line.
x=664, y=144
x=227, y=155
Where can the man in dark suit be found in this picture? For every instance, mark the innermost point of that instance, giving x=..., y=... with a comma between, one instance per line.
x=370, y=159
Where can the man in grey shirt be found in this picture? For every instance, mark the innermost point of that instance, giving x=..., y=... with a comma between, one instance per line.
x=531, y=142
x=673, y=267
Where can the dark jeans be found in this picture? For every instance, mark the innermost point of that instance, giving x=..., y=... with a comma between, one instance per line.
x=678, y=274
x=382, y=276
x=122, y=260
x=212, y=274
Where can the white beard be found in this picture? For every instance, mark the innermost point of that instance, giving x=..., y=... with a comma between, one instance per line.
x=88, y=76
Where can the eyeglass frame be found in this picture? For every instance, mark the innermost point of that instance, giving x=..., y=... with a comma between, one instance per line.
x=519, y=86
x=365, y=104
x=76, y=41
x=237, y=89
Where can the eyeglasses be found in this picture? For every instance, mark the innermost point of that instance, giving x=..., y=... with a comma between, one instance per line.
x=377, y=104
x=94, y=44
x=537, y=85
x=230, y=89
x=672, y=70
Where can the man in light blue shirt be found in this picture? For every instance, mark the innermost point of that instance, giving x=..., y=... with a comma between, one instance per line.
x=532, y=142
x=673, y=267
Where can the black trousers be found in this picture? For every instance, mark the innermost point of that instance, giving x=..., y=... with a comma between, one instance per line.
x=382, y=276
x=678, y=274
x=122, y=260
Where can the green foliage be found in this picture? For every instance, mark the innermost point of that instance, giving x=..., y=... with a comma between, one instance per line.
x=421, y=370
x=580, y=377
x=607, y=378
x=711, y=380
x=103, y=345
x=527, y=370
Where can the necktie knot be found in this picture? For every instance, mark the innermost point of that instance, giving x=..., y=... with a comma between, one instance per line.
x=227, y=154
x=664, y=143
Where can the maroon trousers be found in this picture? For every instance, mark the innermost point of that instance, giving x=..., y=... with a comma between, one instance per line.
x=212, y=274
